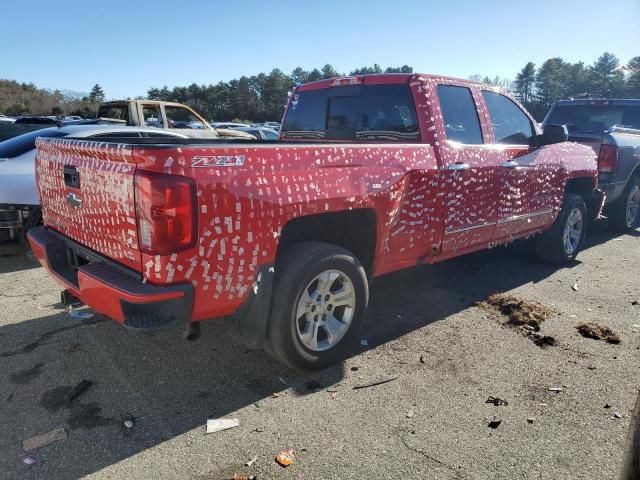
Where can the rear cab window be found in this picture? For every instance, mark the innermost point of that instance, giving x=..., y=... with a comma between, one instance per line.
x=459, y=114
x=115, y=112
x=511, y=125
x=355, y=112
x=595, y=117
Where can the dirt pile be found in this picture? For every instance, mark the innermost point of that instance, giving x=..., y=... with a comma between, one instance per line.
x=523, y=314
x=598, y=332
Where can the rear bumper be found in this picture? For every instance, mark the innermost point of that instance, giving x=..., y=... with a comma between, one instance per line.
x=109, y=288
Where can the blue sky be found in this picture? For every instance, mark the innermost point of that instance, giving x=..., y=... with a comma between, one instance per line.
x=129, y=46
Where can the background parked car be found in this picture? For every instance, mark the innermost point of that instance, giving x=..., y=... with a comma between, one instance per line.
x=19, y=199
x=261, y=133
x=612, y=129
x=229, y=125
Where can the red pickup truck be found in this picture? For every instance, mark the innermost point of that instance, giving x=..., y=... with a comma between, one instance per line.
x=371, y=174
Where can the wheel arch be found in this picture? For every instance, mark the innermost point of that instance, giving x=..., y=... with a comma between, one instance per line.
x=354, y=230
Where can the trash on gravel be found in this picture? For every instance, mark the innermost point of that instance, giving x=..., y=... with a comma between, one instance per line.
x=606, y=405
x=635, y=302
x=285, y=457
x=617, y=415
x=29, y=460
x=251, y=462
x=542, y=404
x=128, y=423
x=410, y=413
x=364, y=342
x=375, y=384
x=77, y=390
x=495, y=422
x=530, y=420
x=598, y=332
x=496, y=401
x=80, y=314
x=275, y=395
x=354, y=369
x=220, y=424
x=242, y=476
x=43, y=439
x=574, y=287
x=555, y=389
x=423, y=359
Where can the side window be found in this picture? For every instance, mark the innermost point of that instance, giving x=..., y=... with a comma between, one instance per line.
x=152, y=116
x=510, y=125
x=178, y=117
x=461, y=122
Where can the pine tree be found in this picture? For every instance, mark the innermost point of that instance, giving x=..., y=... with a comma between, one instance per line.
x=606, y=77
x=525, y=83
x=97, y=94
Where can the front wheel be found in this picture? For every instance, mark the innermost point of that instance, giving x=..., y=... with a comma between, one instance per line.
x=320, y=298
x=561, y=243
x=624, y=213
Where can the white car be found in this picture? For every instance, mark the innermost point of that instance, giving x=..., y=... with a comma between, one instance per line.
x=5, y=119
x=19, y=199
x=227, y=125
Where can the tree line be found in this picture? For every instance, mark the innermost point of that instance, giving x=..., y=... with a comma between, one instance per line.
x=262, y=97
x=538, y=87
x=258, y=98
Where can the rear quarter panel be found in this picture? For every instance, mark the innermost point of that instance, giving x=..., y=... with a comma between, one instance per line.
x=242, y=208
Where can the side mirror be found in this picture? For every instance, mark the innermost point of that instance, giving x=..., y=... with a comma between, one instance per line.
x=554, y=134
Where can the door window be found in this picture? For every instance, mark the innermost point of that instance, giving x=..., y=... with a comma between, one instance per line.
x=510, y=124
x=152, y=116
x=179, y=117
x=460, y=116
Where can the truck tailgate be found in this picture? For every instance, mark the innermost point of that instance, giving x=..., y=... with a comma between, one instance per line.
x=87, y=194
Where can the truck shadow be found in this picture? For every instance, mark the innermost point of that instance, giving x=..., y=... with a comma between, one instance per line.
x=170, y=386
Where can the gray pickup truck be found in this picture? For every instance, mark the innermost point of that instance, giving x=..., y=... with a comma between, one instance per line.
x=612, y=129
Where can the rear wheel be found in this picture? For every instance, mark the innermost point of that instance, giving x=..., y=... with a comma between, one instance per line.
x=320, y=298
x=562, y=242
x=624, y=213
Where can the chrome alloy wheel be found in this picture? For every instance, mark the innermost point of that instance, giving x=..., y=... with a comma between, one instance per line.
x=633, y=205
x=325, y=309
x=573, y=231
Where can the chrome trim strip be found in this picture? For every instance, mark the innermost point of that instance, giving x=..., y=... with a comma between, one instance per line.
x=528, y=215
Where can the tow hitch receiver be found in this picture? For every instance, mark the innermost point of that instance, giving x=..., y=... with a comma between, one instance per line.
x=68, y=299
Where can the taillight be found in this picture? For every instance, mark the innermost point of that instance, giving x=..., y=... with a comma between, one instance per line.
x=608, y=159
x=166, y=212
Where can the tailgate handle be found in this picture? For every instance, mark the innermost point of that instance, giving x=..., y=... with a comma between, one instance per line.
x=71, y=176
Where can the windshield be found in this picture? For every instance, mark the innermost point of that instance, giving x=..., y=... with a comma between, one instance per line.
x=595, y=118
x=23, y=143
x=373, y=112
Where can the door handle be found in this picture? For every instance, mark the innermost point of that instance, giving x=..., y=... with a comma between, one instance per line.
x=458, y=166
x=510, y=164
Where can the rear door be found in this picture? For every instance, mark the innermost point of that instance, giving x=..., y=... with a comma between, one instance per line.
x=526, y=192
x=470, y=170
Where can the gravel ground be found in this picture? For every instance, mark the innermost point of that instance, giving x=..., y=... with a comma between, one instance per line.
x=445, y=354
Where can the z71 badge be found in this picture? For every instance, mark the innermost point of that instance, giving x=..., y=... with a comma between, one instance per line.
x=218, y=161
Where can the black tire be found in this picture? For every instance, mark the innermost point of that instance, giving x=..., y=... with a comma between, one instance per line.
x=617, y=211
x=296, y=268
x=549, y=246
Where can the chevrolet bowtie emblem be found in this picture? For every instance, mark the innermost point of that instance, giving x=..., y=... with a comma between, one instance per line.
x=73, y=200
